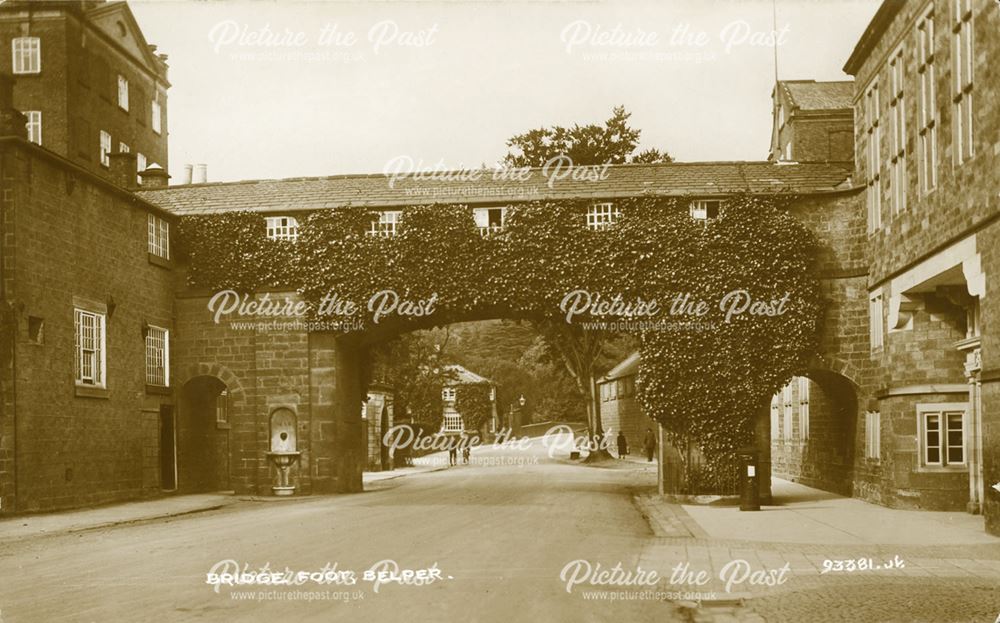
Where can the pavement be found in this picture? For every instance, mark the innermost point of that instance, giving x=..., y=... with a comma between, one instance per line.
x=517, y=535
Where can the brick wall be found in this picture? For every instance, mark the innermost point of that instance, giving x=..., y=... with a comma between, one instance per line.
x=69, y=235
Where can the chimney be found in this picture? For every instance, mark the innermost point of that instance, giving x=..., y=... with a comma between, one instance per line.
x=154, y=177
x=12, y=122
x=124, y=167
x=186, y=177
x=200, y=174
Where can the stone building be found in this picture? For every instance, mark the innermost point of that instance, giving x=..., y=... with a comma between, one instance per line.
x=927, y=150
x=117, y=381
x=813, y=121
x=87, y=80
x=620, y=410
x=452, y=420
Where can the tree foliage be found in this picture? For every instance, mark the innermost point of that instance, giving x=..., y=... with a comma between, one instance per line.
x=615, y=142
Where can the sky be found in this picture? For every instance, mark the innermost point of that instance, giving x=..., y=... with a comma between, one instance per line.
x=262, y=89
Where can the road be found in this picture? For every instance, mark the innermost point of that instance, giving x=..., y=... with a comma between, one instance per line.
x=499, y=534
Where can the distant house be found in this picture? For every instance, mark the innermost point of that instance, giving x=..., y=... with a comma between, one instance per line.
x=620, y=410
x=452, y=422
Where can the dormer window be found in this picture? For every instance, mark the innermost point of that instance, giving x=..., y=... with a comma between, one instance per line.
x=448, y=394
x=489, y=220
x=385, y=225
x=601, y=216
x=705, y=209
x=282, y=228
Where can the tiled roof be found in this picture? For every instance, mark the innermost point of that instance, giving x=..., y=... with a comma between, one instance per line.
x=464, y=376
x=812, y=95
x=679, y=179
x=628, y=367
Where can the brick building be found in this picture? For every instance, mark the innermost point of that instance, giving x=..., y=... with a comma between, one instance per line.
x=87, y=325
x=87, y=80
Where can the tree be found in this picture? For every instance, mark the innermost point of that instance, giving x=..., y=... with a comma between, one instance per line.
x=613, y=143
x=415, y=364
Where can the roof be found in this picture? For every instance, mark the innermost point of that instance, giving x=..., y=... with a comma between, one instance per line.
x=812, y=95
x=628, y=367
x=466, y=377
x=377, y=190
x=876, y=28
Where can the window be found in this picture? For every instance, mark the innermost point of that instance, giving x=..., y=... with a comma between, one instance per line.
x=122, y=92
x=282, y=228
x=961, y=71
x=123, y=148
x=489, y=220
x=222, y=407
x=873, y=163
x=90, y=348
x=803, y=407
x=873, y=435
x=942, y=434
x=156, y=119
x=705, y=209
x=875, y=321
x=27, y=55
x=927, y=153
x=602, y=216
x=786, y=395
x=157, y=356
x=140, y=166
x=448, y=393
x=775, y=423
x=105, y=148
x=385, y=225
x=34, y=126
x=897, y=114
x=452, y=423
x=159, y=236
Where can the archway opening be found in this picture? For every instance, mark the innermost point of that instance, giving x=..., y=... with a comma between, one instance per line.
x=203, y=439
x=813, y=425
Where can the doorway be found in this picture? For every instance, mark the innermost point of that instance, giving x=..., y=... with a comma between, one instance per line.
x=168, y=449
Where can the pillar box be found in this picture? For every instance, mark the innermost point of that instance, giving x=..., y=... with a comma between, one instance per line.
x=749, y=479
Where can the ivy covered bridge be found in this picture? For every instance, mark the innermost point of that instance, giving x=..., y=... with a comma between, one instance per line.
x=737, y=277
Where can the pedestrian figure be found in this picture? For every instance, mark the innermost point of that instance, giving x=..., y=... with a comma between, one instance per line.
x=622, y=445
x=649, y=443
x=452, y=455
x=465, y=454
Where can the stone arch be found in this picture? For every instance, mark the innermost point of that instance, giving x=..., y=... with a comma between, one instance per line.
x=819, y=448
x=214, y=369
x=204, y=448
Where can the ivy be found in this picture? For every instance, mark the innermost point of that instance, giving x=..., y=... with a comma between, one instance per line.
x=472, y=400
x=704, y=377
